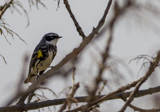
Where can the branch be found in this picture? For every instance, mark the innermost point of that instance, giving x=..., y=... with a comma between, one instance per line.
x=3, y=58
x=135, y=108
x=68, y=57
x=79, y=29
x=118, y=12
x=151, y=69
x=5, y=8
x=70, y=98
x=105, y=56
x=121, y=95
x=108, y=96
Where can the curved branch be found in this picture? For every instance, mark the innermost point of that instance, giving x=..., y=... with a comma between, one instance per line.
x=5, y=8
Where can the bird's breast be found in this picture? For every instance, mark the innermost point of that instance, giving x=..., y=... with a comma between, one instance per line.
x=48, y=60
x=44, y=64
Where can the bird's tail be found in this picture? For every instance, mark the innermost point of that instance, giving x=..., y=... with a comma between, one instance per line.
x=31, y=78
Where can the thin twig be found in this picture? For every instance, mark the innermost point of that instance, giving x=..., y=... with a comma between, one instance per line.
x=5, y=8
x=3, y=58
x=153, y=65
x=36, y=105
x=79, y=29
x=135, y=108
x=70, y=98
x=106, y=97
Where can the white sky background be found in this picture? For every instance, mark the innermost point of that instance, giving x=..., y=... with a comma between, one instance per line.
x=130, y=40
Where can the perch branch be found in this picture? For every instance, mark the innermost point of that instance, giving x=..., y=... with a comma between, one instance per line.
x=68, y=57
x=36, y=105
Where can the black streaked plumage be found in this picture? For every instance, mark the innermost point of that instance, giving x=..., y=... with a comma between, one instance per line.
x=42, y=56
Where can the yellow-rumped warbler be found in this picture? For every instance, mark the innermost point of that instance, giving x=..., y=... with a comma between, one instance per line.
x=42, y=56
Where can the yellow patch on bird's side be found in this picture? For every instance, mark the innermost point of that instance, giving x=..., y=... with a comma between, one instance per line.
x=39, y=54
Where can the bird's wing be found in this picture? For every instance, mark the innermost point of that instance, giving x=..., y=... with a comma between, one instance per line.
x=33, y=60
x=40, y=52
x=34, y=57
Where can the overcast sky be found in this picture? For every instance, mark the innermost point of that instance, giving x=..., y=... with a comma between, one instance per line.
x=130, y=40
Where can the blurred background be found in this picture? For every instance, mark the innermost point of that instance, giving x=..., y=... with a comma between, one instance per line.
x=135, y=33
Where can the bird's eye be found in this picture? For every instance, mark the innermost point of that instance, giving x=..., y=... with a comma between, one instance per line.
x=49, y=38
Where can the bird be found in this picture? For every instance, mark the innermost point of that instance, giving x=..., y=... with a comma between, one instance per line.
x=42, y=56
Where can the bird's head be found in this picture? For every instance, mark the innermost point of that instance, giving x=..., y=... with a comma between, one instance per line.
x=51, y=38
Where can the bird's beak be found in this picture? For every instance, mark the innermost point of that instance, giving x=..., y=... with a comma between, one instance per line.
x=59, y=37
